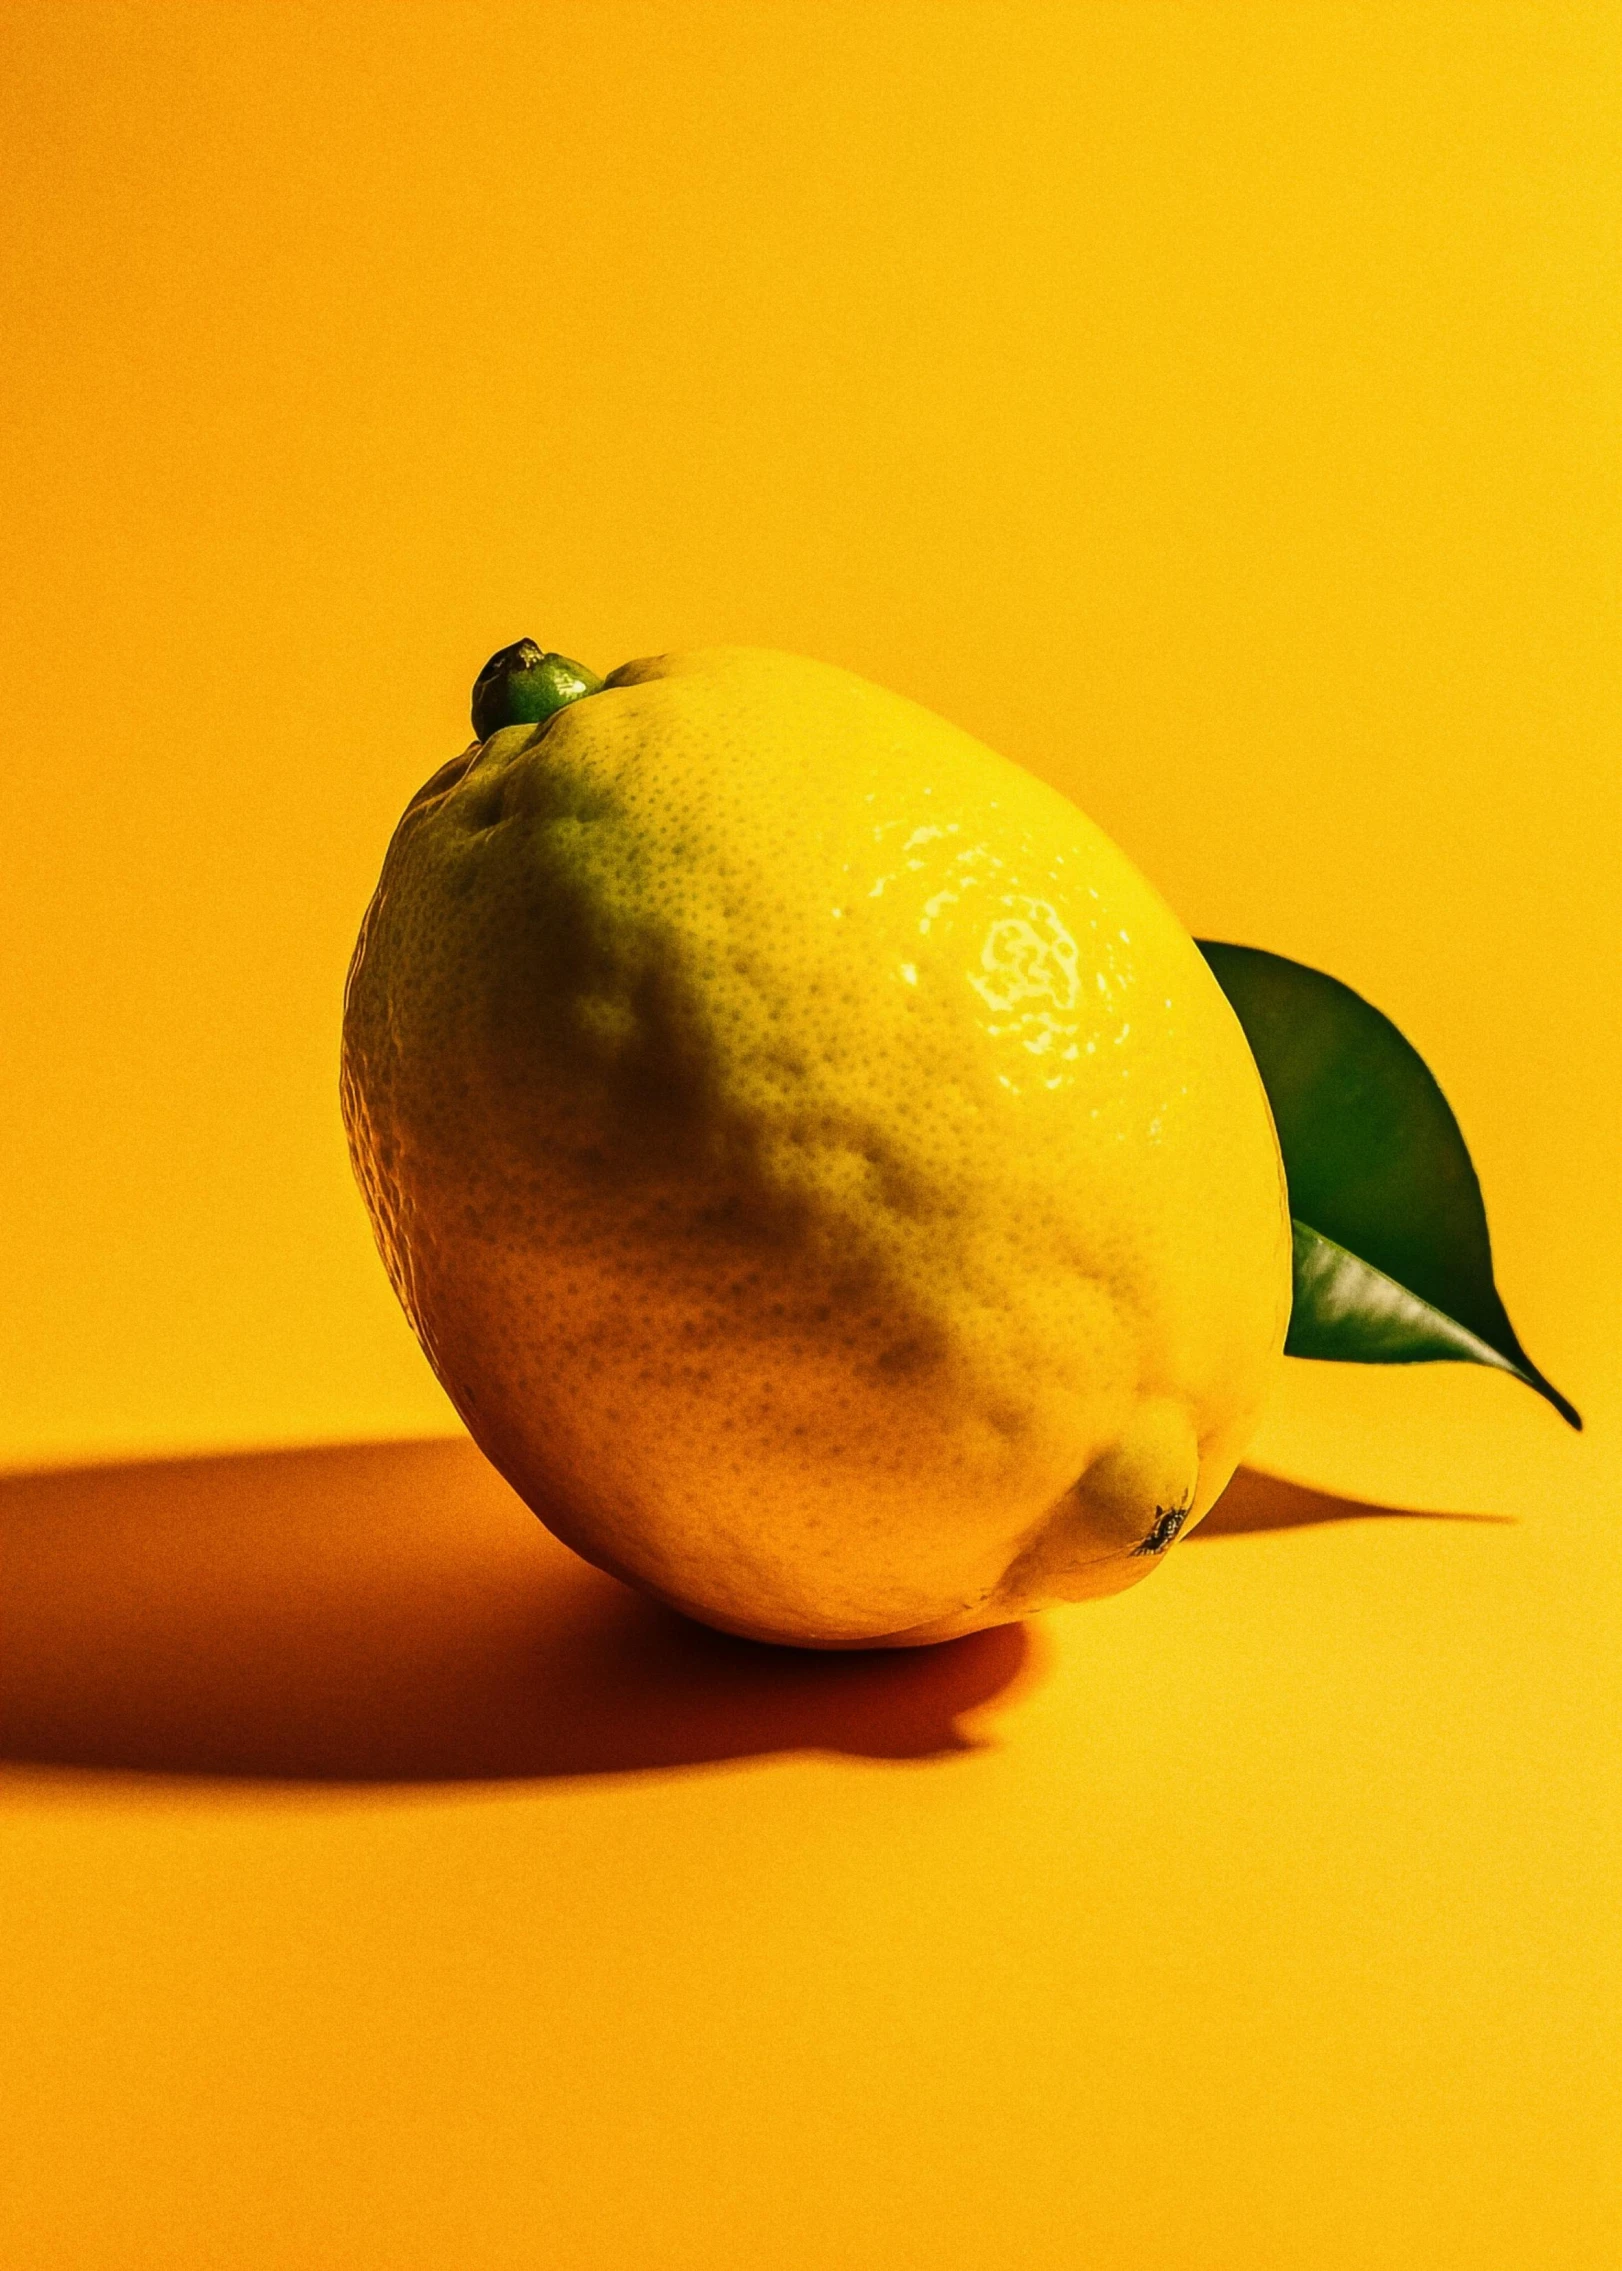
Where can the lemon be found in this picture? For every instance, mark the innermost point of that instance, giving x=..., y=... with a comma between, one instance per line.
x=823, y=1173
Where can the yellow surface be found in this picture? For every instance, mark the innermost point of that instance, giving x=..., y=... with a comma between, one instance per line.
x=1210, y=408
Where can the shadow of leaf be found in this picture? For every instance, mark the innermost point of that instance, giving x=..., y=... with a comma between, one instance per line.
x=1257, y=1501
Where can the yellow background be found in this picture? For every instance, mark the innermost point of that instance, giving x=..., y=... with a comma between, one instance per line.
x=1213, y=408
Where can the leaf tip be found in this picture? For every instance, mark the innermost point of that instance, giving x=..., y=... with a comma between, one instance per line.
x=1568, y=1411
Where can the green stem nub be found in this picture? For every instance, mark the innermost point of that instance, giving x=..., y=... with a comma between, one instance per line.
x=524, y=684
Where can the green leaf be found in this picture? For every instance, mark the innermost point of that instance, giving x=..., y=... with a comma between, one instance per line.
x=1393, y=1264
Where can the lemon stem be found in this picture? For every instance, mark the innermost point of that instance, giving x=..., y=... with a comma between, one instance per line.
x=523, y=684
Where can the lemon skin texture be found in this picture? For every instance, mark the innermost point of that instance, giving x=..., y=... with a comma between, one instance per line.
x=824, y=1175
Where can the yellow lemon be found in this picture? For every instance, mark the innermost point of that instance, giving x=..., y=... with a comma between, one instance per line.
x=825, y=1176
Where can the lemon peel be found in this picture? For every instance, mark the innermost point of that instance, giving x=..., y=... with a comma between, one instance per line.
x=826, y=1177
